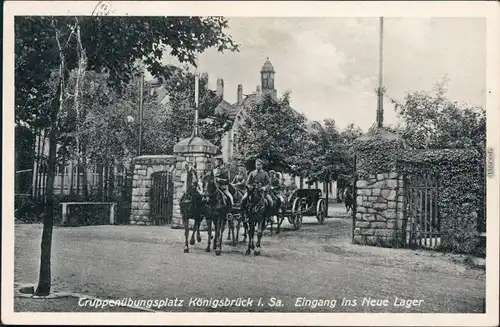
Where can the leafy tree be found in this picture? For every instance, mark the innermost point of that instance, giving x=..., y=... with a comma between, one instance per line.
x=348, y=136
x=111, y=45
x=432, y=121
x=272, y=131
x=328, y=156
x=180, y=87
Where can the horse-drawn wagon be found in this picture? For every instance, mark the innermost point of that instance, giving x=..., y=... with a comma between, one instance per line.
x=309, y=202
x=291, y=211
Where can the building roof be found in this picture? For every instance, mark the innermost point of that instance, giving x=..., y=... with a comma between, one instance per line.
x=232, y=110
x=267, y=67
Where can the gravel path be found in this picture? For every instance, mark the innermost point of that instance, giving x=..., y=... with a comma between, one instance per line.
x=316, y=262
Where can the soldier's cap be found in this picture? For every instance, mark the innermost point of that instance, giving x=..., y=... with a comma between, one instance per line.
x=259, y=161
x=272, y=172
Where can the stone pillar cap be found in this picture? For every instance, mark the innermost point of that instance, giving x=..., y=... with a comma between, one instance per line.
x=375, y=131
x=195, y=144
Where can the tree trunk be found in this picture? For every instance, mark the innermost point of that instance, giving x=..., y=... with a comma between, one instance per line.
x=100, y=172
x=327, y=193
x=78, y=166
x=112, y=181
x=63, y=167
x=85, y=184
x=106, y=181
x=45, y=279
x=72, y=178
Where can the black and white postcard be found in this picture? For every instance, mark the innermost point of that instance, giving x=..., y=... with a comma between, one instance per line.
x=251, y=163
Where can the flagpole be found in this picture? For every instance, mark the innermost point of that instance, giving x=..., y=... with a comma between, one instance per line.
x=380, y=93
x=196, y=95
x=141, y=95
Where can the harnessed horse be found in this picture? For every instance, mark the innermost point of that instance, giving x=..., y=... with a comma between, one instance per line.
x=257, y=210
x=237, y=191
x=275, y=210
x=191, y=207
x=215, y=210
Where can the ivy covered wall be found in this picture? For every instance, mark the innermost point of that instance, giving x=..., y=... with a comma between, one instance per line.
x=383, y=163
x=459, y=191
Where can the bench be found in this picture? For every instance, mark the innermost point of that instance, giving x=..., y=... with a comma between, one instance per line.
x=65, y=205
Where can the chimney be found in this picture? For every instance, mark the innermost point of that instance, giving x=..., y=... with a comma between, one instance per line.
x=240, y=94
x=220, y=88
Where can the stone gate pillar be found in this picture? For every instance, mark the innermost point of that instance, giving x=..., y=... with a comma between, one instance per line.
x=144, y=167
x=193, y=149
x=379, y=189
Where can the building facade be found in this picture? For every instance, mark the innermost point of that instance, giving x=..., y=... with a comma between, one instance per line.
x=237, y=111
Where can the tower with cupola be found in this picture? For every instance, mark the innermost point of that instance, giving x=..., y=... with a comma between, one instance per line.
x=267, y=74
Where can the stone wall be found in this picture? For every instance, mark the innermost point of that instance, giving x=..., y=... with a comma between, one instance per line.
x=144, y=167
x=379, y=208
x=379, y=189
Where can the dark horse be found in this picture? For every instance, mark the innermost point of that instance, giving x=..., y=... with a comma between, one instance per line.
x=216, y=207
x=348, y=200
x=237, y=216
x=257, y=210
x=275, y=210
x=191, y=207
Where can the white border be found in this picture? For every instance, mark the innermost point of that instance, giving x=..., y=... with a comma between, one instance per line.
x=489, y=10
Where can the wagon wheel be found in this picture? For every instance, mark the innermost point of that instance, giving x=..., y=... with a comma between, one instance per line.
x=290, y=218
x=321, y=211
x=296, y=206
x=297, y=221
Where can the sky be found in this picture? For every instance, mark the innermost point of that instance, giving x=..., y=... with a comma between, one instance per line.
x=330, y=65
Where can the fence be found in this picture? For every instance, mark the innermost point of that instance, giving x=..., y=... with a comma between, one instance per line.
x=421, y=211
x=162, y=197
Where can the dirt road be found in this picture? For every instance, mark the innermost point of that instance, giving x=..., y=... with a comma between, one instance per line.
x=315, y=263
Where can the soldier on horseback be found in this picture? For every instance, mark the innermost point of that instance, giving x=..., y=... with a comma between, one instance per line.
x=241, y=178
x=221, y=175
x=259, y=178
x=275, y=185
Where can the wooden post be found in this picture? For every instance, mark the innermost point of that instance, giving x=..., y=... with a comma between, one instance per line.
x=112, y=214
x=64, y=215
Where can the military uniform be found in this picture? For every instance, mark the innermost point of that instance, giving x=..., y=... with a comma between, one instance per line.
x=222, y=178
x=239, y=183
x=290, y=190
x=259, y=178
x=241, y=178
x=276, y=187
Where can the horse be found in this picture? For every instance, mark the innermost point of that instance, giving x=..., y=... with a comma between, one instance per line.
x=275, y=210
x=216, y=208
x=191, y=207
x=237, y=193
x=348, y=200
x=257, y=210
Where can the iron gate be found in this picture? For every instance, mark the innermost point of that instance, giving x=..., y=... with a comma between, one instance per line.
x=161, y=198
x=422, y=218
